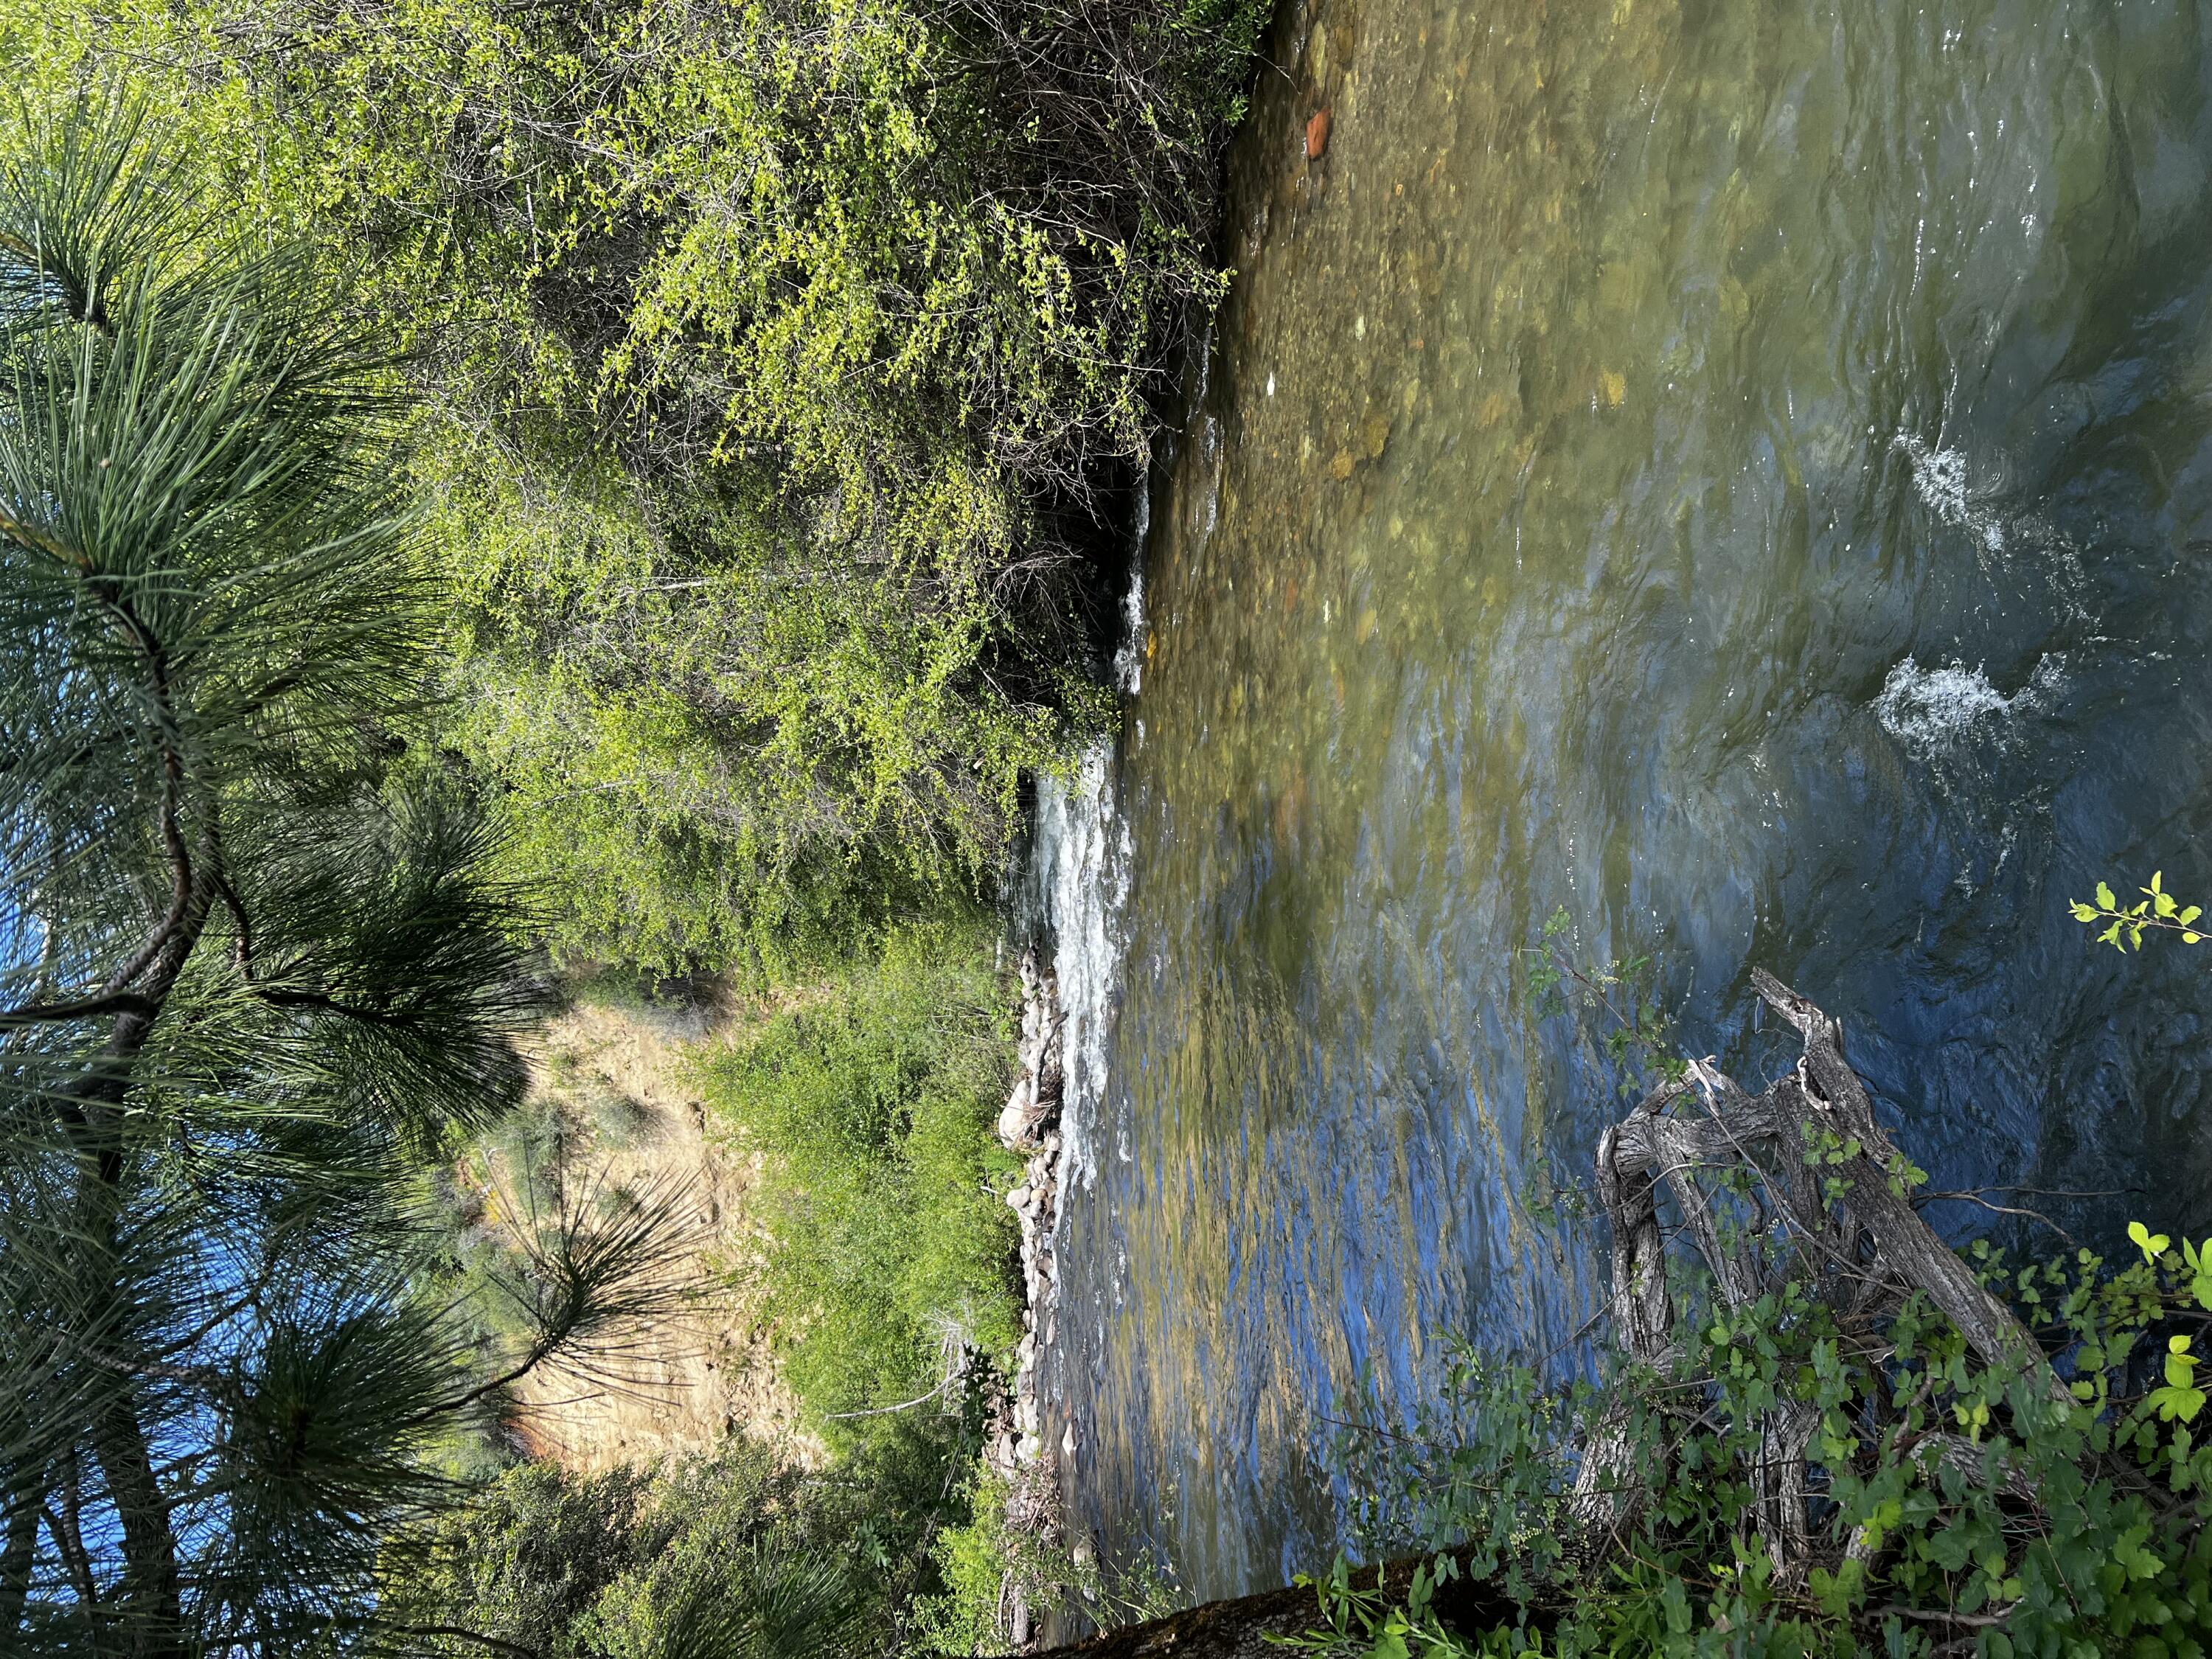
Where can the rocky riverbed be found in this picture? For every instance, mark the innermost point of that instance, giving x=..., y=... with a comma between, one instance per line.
x=1021, y=1447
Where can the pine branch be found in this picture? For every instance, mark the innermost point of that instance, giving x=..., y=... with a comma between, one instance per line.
x=91, y=1007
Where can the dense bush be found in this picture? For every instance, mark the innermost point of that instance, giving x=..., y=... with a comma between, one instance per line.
x=1994, y=1514
x=890, y=1248
x=994, y=1557
x=779, y=351
x=737, y=1555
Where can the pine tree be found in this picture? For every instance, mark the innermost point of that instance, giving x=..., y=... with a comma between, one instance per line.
x=256, y=966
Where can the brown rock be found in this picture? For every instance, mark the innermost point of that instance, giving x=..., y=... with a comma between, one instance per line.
x=1317, y=133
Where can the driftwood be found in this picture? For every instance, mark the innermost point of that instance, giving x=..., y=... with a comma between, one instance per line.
x=1831, y=1206
x=1844, y=1224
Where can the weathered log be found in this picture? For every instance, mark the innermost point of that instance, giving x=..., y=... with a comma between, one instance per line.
x=1863, y=1241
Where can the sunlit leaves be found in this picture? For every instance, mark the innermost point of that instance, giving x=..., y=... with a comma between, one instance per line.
x=2180, y=1397
x=2153, y=1245
x=778, y=360
x=2124, y=925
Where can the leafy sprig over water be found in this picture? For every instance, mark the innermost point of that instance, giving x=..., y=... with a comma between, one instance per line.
x=2125, y=925
x=1620, y=996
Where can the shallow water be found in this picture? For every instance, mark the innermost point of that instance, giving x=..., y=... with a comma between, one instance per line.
x=1738, y=470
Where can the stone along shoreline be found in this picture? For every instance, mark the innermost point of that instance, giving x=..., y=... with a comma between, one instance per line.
x=1021, y=1448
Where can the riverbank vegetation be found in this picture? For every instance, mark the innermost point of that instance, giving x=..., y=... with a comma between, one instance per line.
x=887, y=1270
x=1821, y=1431
x=1952, y=1505
x=690, y=537
x=782, y=369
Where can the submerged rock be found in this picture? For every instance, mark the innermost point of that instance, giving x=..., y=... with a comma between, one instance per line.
x=1317, y=133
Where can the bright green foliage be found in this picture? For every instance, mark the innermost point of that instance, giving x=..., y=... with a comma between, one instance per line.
x=2125, y=924
x=982, y=1556
x=1988, y=1511
x=873, y=1097
x=778, y=349
x=975, y=1559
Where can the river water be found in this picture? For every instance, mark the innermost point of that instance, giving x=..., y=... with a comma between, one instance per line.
x=1738, y=470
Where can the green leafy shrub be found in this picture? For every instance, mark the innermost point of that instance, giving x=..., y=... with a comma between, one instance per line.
x=873, y=1097
x=981, y=1558
x=1993, y=1515
x=975, y=1559
x=778, y=354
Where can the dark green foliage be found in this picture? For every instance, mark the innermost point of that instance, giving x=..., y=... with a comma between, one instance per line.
x=252, y=962
x=873, y=1097
x=525, y=1562
x=1989, y=1515
x=735, y=1556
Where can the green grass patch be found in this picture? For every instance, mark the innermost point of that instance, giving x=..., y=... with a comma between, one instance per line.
x=874, y=1095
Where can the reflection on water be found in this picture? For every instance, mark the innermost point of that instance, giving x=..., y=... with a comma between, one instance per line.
x=1736, y=469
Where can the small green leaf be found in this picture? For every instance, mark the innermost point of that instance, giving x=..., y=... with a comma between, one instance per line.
x=2106, y=899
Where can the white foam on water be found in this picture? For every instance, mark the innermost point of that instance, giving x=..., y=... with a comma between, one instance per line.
x=1944, y=481
x=1080, y=870
x=1934, y=711
x=1940, y=477
x=1129, y=660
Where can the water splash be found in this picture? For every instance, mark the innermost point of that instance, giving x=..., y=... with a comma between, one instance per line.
x=1936, y=712
x=1940, y=477
x=1943, y=480
x=1129, y=660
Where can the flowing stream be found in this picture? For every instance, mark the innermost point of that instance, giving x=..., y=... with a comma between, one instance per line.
x=1740, y=470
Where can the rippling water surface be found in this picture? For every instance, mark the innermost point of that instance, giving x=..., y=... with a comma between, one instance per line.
x=1738, y=470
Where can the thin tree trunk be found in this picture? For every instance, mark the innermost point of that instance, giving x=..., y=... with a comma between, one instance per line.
x=152, y=1602
x=22, y=1494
